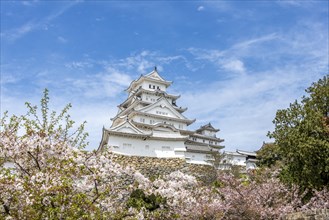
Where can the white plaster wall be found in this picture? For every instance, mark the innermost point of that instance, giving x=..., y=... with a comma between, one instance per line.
x=209, y=133
x=147, y=120
x=197, y=158
x=149, y=148
x=163, y=111
x=200, y=140
x=145, y=85
x=235, y=159
x=149, y=98
x=250, y=165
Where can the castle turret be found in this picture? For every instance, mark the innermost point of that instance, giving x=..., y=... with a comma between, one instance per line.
x=150, y=123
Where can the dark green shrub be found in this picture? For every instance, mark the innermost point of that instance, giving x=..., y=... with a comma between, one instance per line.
x=138, y=199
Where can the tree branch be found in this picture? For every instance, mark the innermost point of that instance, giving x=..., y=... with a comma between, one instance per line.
x=35, y=159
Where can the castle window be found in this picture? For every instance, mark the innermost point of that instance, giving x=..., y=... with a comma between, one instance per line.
x=158, y=87
x=150, y=86
x=161, y=113
x=142, y=120
x=194, y=139
x=126, y=145
x=165, y=147
x=153, y=86
x=204, y=141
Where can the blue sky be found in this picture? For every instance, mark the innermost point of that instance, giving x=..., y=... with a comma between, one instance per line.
x=233, y=62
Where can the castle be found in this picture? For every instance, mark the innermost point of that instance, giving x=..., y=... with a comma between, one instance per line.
x=149, y=123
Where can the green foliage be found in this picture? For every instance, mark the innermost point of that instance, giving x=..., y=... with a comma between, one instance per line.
x=268, y=155
x=218, y=184
x=42, y=180
x=302, y=138
x=49, y=124
x=138, y=200
x=217, y=159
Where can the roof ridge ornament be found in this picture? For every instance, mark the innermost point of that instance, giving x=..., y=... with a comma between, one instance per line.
x=155, y=69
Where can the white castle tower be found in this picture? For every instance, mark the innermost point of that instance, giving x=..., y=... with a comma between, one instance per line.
x=149, y=123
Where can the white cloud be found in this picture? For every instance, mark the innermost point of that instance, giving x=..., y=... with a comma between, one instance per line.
x=235, y=65
x=105, y=84
x=62, y=39
x=251, y=42
x=8, y=78
x=243, y=107
x=16, y=33
x=97, y=115
x=200, y=8
x=202, y=54
x=113, y=75
x=295, y=3
x=79, y=64
x=29, y=3
x=222, y=59
x=221, y=6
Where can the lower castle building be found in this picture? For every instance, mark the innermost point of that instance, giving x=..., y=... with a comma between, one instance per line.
x=149, y=123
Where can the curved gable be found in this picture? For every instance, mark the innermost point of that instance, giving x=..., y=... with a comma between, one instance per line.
x=163, y=108
x=164, y=127
x=127, y=127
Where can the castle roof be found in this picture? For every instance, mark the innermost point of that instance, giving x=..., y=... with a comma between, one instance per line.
x=247, y=153
x=152, y=77
x=207, y=137
x=208, y=127
x=141, y=90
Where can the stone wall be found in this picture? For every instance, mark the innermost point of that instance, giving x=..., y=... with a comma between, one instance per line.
x=318, y=214
x=153, y=167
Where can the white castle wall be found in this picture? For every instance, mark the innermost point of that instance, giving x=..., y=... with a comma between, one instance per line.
x=234, y=159
x=201, y=140
x=149, y=120
x=148, y=148
x=152, y=98
x=146, y=85
x=197, y=158
x=209, y=133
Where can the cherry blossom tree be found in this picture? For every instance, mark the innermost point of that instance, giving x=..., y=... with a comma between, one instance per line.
x=52, y=177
